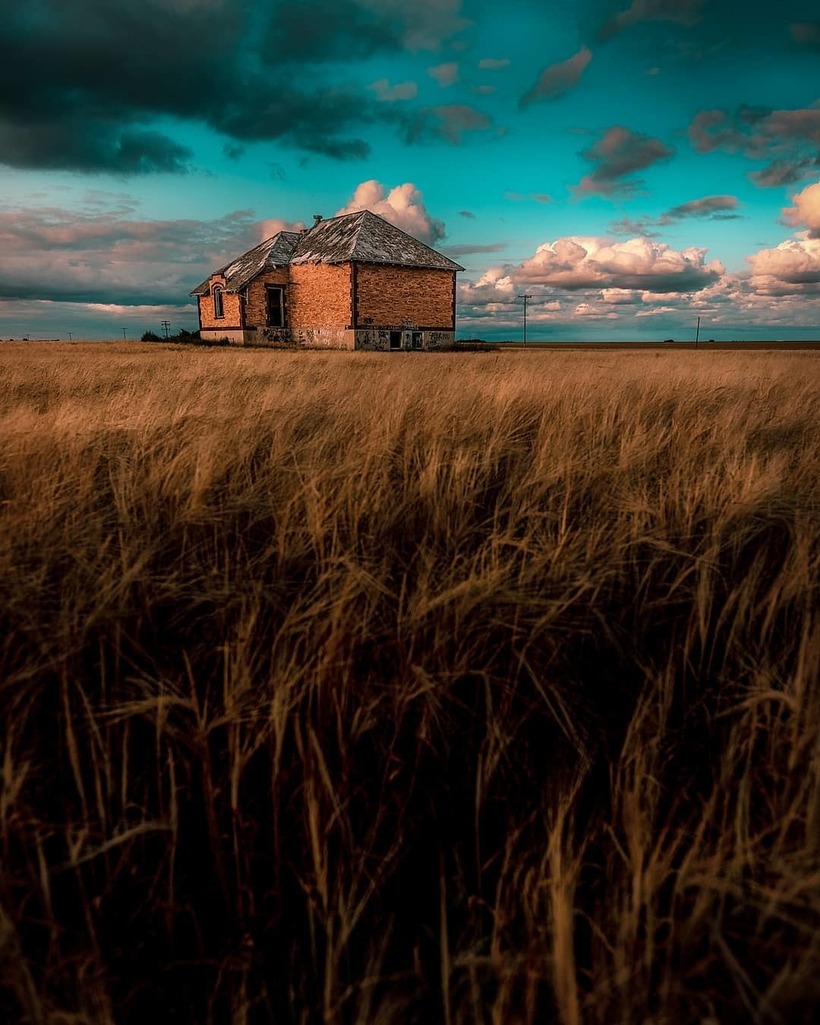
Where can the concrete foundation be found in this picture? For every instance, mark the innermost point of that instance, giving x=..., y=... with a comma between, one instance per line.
x=366, y=339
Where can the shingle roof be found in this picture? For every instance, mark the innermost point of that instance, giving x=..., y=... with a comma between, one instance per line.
x=367, y=238
x=362, y=236
x=273, y=252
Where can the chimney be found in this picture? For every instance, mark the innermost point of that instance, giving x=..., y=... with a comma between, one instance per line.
x=317, y=218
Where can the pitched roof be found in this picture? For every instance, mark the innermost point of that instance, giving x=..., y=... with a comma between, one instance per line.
x=362, y=236
x=273, y=252
x=367, y=238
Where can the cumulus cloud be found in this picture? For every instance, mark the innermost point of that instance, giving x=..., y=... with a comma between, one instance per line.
x=557, y=79
x=387, y=93
x=679, y=12
x=577, y=263
x=787, y=268
x=493, y=63
x=806, y=210
x=445, y=74
x=402, y=206
x=618, y=154
x=596, y=267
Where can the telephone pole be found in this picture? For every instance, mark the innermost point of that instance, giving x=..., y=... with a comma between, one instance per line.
x=166, y=325
x=525, y=299
x=697, y=334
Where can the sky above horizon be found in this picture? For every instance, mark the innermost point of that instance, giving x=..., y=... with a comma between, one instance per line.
x=630, y=164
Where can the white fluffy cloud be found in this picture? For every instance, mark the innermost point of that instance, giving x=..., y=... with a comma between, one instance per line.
x=789, y=268
x=806, y=210
x=402, y=206
x=577, y=263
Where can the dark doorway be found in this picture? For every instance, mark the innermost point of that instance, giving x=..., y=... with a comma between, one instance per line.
x=395, y=339
x=276, y=306
x=417, y=339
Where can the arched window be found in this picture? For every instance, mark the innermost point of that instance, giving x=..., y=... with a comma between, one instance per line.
x=219, y=306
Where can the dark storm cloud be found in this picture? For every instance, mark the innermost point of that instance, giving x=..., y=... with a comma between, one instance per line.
x=82, y=81
x=619, y=153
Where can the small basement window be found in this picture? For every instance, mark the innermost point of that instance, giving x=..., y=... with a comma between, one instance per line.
x=219, y=305
x=276, y=306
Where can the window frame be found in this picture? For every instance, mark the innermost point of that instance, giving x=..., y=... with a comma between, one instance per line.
x=269, y=290
x=218, y=299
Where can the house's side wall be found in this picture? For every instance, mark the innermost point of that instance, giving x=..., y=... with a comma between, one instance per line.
x=231, y=306
x=320, y=295
x=388, y=296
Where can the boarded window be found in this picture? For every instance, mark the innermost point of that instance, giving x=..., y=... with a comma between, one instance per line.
x=276, y=307
x=219, y=306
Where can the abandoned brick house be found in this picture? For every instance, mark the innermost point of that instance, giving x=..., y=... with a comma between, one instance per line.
x=350, y=282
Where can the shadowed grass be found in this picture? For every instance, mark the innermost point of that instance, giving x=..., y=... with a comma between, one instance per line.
x=471, y=688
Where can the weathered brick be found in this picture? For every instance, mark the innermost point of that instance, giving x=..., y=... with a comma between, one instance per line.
x=320, y=295
x=393, y=296
x=256, y=302
x=231, y=306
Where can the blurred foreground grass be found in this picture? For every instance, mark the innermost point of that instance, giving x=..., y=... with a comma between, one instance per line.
x=348, y=688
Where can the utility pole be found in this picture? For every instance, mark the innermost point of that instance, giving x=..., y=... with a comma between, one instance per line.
x=123, y=333
x=69, y=336
x=697, y=334
x=166, y=326
x=525, y=299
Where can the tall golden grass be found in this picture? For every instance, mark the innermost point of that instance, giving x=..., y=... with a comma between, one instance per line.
x=469, y=688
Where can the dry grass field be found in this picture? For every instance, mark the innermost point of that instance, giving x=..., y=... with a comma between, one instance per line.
x=480, y=688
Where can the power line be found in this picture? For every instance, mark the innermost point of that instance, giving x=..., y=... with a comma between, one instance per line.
x=525, y=299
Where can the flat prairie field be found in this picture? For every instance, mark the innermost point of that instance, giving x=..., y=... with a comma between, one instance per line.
x=471, y=688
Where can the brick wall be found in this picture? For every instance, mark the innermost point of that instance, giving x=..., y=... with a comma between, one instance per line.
x=395, y=295
x=320, y=295
x=230, y=307
x=256, y=311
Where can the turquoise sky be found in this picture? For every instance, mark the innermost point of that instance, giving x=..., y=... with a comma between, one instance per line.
x=631, y=165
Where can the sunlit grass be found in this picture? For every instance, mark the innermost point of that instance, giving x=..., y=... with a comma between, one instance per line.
x=471, y=688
